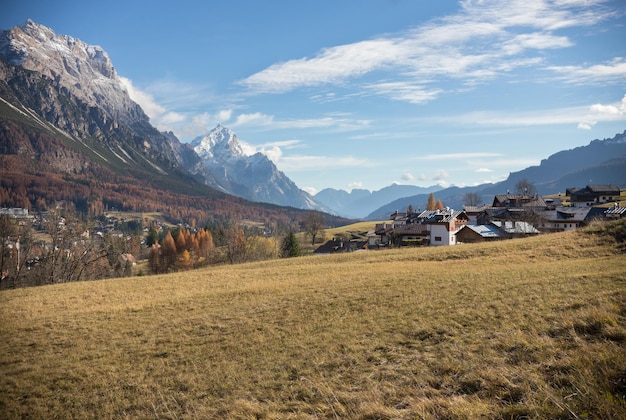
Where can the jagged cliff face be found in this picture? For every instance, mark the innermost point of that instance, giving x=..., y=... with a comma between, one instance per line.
x=84, y=71
x=253, y=177
x=74, y=87
x=70, y=87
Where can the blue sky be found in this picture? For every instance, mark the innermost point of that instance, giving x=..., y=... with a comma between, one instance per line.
x=362, y=94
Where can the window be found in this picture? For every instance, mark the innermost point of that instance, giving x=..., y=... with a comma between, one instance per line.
x=437, y=238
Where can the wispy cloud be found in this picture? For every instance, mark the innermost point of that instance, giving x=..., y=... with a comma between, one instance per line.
x=485, y=39
x=160, y=116
x=339, y=122
x=185, y=124
x=407, y=176
x=273, y=150
x=604, y=73
x=583, y=116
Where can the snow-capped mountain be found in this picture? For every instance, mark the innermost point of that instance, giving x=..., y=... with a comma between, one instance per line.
x=219, y=144
x=74, y=86
x=84, y=70
x=254, y=177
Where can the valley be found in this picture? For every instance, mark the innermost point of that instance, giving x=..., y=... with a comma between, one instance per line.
x=528, y=328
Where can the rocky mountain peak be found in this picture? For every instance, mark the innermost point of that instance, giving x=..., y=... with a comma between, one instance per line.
x=220, y=143
x=252, y=176
x=86, y=71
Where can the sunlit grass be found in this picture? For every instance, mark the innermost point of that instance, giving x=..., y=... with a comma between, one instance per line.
x=526, y=328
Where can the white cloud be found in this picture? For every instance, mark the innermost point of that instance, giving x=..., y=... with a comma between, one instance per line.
x=586, y=125
x=609, y=72
x=441, y=175
x=583, y=116
x=224, y=115
x=330, y=65
x=483, y=170
x=600, y=112
x=310, y=190
x=160, y=117
x=273, y=150
x=486, y=38
x=256, y=118
x=538, y=41
x=616, y=109
x=338, y=122
x=407, y=176
x=273, y=153
x=404, y=91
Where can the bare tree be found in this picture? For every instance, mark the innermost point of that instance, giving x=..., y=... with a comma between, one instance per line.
x=70, y=254
x=525, y=187
x=472, y=199
x=314, y=225
x=16, y=244
x=235, y=245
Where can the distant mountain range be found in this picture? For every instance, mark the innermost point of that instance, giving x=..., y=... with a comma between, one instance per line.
x=359, y=202
x=599, y=162
x=69, y=132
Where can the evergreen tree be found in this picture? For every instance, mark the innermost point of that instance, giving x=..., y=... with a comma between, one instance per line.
x=290, y=246
x=153, y=237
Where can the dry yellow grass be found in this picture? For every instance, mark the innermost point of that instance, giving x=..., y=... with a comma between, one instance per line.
x=530, y=328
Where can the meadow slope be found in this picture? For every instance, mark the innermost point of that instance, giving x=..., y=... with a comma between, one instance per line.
x=530, y=328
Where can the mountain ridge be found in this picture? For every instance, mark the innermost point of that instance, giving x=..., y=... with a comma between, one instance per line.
x=360, y=202
x=56, y=90
x=57, y=145
x=599, y=162
x=74, y=87
x=254, y=177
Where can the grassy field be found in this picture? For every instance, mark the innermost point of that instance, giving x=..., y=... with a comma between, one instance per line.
x=355, y=231
x=532, y=328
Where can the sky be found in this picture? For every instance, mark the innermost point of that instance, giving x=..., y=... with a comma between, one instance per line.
x=366, y=93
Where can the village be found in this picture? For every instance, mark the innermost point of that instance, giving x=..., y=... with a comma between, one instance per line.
x=124, y=241
x=508, y=216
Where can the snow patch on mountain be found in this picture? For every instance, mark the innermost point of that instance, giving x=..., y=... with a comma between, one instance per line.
x=220, y=143
x=245, y=172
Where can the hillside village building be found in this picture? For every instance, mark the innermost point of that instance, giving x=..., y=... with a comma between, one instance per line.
x=509, y=216
x=430, y=227
x=495, y=231
x=592, y=195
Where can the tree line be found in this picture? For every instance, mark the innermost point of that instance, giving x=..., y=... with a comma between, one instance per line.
x=62, y=247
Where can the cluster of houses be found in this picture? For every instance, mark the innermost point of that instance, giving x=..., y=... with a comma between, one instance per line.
x=509, y=216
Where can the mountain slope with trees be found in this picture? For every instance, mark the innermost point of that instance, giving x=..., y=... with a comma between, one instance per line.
x=91, y=147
